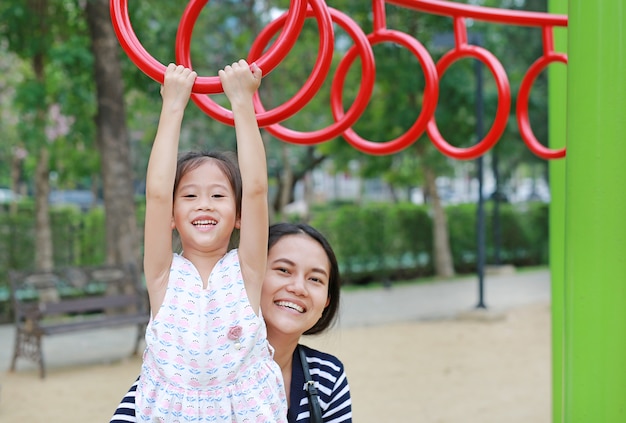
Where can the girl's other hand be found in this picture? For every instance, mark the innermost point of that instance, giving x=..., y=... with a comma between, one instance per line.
x=240, y=81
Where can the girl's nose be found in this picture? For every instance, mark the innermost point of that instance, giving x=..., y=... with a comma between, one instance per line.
x=205, y=203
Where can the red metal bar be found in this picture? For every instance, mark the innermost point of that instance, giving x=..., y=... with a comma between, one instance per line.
x=488, y=14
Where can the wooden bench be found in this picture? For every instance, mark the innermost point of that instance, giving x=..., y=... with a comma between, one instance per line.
x=74, y=299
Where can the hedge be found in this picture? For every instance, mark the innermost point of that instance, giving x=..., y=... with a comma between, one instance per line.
x=383, y=242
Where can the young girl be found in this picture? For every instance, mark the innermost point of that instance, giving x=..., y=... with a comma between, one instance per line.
x=207, y=357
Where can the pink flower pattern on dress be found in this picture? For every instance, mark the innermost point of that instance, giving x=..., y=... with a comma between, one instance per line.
x=234, y=333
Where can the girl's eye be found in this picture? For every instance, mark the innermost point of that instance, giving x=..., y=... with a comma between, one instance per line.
x=189, y=196
x=217, y=196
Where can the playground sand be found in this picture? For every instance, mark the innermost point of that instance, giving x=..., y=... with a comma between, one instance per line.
x=478, y=368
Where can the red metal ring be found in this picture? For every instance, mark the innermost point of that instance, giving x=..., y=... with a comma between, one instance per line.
x=308, y=90
x=431, y=94
x=155, y=70
x=368, y=77
x=502, y=113
x=523, y=121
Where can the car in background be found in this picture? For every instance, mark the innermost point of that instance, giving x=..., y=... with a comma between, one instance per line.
x=82, y=198
x=7, y=196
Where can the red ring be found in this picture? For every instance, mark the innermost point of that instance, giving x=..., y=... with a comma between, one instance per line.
x=522, y=108
x=155, y=70
x=502, y=113
x=368, y=78
x=431, y=92
x=308, y=90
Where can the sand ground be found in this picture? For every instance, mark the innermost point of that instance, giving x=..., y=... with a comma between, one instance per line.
x=491, y=368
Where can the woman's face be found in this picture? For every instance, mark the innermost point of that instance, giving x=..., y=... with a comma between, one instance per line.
x=295, y=290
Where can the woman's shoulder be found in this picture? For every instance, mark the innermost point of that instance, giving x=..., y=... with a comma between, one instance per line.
x=329, y=374
x=322, y=360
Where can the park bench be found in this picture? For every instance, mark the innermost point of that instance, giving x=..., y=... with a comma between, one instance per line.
x=73, y=299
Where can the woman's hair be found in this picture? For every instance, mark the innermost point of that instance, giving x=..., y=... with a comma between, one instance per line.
x=224, y=160
x=329, y=315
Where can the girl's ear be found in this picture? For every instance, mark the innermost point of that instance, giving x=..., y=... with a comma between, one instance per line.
x=173, y=223
x=238, y=223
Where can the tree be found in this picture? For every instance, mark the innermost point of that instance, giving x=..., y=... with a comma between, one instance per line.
x=112, y=138
x=12, y=152
x=393, y=109
x=56, y=105
x=29, y=34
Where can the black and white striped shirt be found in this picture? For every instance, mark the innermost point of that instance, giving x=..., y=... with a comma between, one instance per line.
x=326, y=371
x=332, y=386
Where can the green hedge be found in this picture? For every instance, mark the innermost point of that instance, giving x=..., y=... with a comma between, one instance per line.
x=378, y=241
x=372, y=242
x=524, y=235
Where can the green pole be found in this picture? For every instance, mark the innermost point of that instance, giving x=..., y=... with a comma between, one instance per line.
x=595, y=214
x=557, y=78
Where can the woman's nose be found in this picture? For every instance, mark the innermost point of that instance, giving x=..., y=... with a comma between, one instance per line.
x=297, y=286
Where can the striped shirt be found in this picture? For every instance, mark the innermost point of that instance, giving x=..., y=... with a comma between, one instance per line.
x=327, y=372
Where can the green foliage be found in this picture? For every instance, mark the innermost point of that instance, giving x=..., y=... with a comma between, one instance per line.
x=524, y=235
x=374, y=242
x=389, y=242
x=223, y=33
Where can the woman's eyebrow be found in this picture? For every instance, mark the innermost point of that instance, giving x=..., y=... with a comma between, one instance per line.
x=283, y=260
x=320, y=270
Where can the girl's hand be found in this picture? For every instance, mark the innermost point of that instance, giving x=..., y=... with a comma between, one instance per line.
x=176, y=88
x=240, y=81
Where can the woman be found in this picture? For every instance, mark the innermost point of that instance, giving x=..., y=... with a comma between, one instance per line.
x=300, y=296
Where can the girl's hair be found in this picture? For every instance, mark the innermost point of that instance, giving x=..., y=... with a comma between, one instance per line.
x=224, y=160
x=329, y=315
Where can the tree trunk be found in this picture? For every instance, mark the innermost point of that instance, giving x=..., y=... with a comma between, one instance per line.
x=43, y=233
x=286, y=180
x=444, y=266
x=112, y=138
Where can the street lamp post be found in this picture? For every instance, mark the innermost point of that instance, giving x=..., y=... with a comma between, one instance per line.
x=445, y=40
x=480, y=213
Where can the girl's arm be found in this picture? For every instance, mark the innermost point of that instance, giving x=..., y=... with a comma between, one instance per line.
x=175, y=92
x=240, y=81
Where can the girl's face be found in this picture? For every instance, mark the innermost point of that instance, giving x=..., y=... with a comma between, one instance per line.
x=204, y=212
x=295, y=289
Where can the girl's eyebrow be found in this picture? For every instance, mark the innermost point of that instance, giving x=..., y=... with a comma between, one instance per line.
x=193, y=185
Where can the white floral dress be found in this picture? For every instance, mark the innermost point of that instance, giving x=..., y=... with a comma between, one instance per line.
x=207, y=357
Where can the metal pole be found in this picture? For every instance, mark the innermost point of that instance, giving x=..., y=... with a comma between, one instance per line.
x=557, y=78
x=595, y=227
x=480, y=226
x=497, y=197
